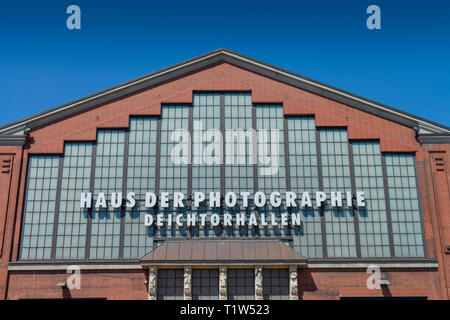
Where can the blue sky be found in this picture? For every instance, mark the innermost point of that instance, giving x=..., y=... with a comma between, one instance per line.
x=405, y=65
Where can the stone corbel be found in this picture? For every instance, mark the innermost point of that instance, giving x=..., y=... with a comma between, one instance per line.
x=223, y=283
x=293, y=283
x=258, y=283
x=152, y=283
x=187, y=283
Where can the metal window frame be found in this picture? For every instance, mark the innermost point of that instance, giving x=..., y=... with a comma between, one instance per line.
x=422, y=217
x=57, y=206
x=157, y=157
x=351, y=168
x=255, y=171
x=209, y=286
x=235, y=271
x=354, y=208
x=157, y=170
x=190, y=169
x=272, y=105
x=287, y=167
x=24, y=210
x=27, y=177
x=222, y=163
x=388, y=205
x=124, y=191
x=163, y=284
x=92, y=187
x=419, y=198
x=319, y=171
x=91, y=190
x=322, y=209
x=271, y=271
x=191, y=131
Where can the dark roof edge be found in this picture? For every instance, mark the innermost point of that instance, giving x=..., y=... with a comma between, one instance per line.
x=224, y=55
x=433, y=138
x=12, y=140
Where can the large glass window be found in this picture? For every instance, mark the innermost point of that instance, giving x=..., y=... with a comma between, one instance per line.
x=339, y=221
x=206, y=177
x=173, y=177
x=170, y=284
x=275, y=284
x=405, y=206
x=39, y=215
x=239, y=174
x=241, y=284
x=72, y=220
x=304, y=175
x=138, y=239
x=205, y=284
x=105, y=232
x=270, y=118
x=372, y=219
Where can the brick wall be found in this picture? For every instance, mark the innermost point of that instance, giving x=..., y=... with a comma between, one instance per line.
x=313, y=284
x=327, y=284
x=116, y=285
x=10, y=175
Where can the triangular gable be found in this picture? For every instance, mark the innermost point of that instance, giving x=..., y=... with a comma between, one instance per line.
x=421, y=125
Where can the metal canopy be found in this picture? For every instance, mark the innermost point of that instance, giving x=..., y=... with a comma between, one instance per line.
x=226, y=251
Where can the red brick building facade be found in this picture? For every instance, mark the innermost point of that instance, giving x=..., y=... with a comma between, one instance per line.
x=226, y=71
